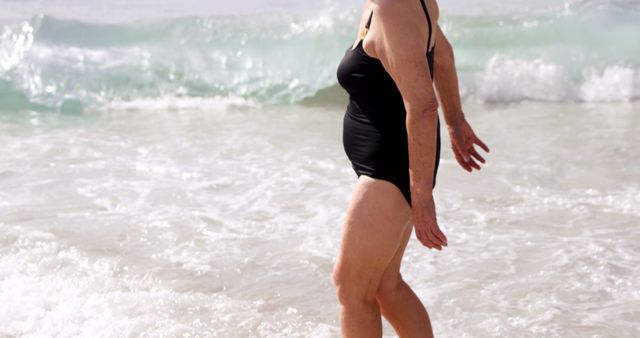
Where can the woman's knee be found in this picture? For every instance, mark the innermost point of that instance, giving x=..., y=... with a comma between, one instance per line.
x=390, y=287
x=352, y=290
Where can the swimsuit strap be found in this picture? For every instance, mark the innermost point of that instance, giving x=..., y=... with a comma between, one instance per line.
x=369, y=21
x=424, y=7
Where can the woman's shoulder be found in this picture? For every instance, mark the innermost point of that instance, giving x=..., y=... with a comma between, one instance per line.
x=401, y=10
x=387, y=7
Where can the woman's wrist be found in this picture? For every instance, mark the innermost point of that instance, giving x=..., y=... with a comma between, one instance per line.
x=456, y=121
x=421, y=190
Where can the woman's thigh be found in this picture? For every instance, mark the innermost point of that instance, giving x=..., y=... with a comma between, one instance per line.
x=374, y=229
x=391, y=275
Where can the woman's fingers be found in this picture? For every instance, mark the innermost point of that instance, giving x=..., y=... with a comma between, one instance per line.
x=464, y=151
x=436, y=231
x=474, y=164
x=471, y=163
x=433, y=236
x=426, y=226
x=461, y=161
x=425, y=239
x=433, y=239
x=480, y=143
x=422, y=235
x=475, y=154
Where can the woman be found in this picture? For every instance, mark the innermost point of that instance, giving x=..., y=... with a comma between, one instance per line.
x=391, y=136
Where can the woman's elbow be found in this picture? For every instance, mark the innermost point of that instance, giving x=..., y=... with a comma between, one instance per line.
x=444, y=55
x=425, y=111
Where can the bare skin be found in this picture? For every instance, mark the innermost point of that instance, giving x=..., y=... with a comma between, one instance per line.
x=379, y=221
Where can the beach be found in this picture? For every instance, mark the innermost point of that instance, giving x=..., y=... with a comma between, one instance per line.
x=170, y=173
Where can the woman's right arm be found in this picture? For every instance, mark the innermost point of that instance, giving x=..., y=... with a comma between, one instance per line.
x=402, y=52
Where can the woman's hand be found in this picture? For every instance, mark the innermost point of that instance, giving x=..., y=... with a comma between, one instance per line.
x=462, y=140
x=423, y=217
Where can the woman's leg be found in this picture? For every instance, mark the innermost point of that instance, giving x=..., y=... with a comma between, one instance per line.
x=376, y=220
x=398, y=303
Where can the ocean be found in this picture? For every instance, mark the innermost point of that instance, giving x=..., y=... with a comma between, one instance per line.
x=176, y=169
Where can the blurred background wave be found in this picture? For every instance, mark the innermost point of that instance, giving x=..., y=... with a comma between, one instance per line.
x=77, y=57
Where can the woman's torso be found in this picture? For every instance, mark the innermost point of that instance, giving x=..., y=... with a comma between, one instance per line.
x=372, y=91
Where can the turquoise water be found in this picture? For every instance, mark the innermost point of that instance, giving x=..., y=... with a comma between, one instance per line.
x=584, y=52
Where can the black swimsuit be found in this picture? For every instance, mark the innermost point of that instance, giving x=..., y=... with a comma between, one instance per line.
x=374, y=127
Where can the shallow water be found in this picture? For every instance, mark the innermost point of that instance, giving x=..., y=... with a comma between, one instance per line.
x=226, y=222
x=176, y=169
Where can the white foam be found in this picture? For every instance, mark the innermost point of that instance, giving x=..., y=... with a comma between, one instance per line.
x=228, y=224
x=614, y=83
x=174, y=103
x=507, y=79
x=49, y=289
x=15, y=41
